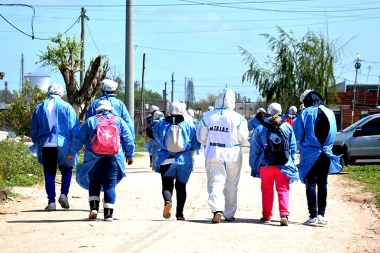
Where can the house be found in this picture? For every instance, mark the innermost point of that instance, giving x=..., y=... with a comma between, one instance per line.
x=353, y=106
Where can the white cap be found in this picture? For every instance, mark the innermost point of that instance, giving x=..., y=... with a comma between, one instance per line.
x=261, y=110
x=158, y=115
x=303, y=95
x=293, y=110
x=108, y=85
x=104, y=105
x=191, y=112
x=154, y=108
x=55, y=89
x=274, y=108
x=210, y=108
x=176, y=108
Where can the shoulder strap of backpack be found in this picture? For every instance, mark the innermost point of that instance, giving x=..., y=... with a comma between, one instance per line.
x=267, y=125
x=99, y=117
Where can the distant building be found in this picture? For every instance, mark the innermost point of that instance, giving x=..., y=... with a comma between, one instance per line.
x=42, y=82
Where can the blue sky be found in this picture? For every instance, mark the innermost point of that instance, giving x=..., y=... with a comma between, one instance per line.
x=193, y=39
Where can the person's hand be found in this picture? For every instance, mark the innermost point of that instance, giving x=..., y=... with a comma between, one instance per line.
x=69, y=158
x=129, y=161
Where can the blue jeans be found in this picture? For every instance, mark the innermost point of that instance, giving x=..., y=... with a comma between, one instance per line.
x=317, y=177
x=50, y=164
x=104, y=174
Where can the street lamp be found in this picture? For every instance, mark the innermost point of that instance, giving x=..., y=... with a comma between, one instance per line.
x=357, y=66
x=2, y=74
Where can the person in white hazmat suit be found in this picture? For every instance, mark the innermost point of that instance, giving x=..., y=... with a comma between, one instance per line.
x=222, y=131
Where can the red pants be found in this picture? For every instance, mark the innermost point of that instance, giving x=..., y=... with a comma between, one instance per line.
x=270, y=175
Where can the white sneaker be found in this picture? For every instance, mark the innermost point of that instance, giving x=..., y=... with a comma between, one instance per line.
x=51, y=207
x=64, y=201
x=322, y=220
x=312, y=222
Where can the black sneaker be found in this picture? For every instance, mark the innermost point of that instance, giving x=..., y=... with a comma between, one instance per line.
x=265, y=221
x=230, y=219
x=217, y=217
x=284, y=220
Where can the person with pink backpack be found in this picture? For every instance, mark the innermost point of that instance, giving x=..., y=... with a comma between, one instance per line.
x=108, y=140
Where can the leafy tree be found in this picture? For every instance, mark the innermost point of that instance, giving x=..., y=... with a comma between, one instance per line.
x=6, y=96
x=65, y=58
x=19, y=113
x=301, y=64
x=149, y=94
x=203, y=104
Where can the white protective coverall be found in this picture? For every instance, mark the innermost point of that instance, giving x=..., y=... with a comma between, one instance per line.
x=222, y=131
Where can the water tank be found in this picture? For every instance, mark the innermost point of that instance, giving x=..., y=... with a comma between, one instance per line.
x=42, y=82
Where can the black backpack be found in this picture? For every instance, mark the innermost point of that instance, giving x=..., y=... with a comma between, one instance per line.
x=277, y=147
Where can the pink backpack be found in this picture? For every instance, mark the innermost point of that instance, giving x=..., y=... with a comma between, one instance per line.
x=289, y=120
x=106, y=140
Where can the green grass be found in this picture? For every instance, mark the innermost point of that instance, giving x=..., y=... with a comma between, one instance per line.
x=139, y=140
x=18, y=167
x=368, y=176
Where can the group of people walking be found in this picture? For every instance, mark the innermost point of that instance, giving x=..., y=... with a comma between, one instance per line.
x=173, y=139
x=273, y=145
x=57, y=138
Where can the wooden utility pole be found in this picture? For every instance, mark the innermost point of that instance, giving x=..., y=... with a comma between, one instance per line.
x=82, y=65
x=142, y=111
x=172, y=86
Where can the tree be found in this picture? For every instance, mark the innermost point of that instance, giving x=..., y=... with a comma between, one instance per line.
x=65, y=57
x=149, y=95
x=6, y=96
x=19, y=113
x=298, y=65
x=204, y=103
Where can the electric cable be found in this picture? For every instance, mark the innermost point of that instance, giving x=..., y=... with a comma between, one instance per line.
x=92, y=37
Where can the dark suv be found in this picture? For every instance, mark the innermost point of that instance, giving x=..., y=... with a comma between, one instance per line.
x=361, y=140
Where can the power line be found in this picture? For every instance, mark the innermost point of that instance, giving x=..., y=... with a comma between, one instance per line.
x=92, y=37
x=33, y=16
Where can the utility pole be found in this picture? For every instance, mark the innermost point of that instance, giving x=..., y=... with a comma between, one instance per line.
x=142, y=111
x=357, y=66
x=377, y=95
x=82, y=65
x=129, y=40
x=165, y=102
x=172, y=86
x=22, y=73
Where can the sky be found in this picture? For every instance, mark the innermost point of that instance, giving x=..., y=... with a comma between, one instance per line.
x=195, y=39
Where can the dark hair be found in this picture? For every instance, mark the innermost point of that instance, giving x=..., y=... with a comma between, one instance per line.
x=261, y=116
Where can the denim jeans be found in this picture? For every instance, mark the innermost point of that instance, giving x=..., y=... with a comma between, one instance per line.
x=104, y=174
x=317, y=177
x=50, y=164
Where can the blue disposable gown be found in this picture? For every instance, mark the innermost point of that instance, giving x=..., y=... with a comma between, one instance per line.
x=257, y=156
x=253, y=123
x=183, y=163
x=66, y=128
x=119, y=109
x=310, y=147
x=84, y=136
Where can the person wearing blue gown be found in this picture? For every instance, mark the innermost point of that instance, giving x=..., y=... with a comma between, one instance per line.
x=175, y=167
x=52, y=128
x=109, y=87
x=315, y=129
x=102, y=172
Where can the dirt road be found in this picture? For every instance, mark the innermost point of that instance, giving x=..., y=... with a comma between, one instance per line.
x=139, y=225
